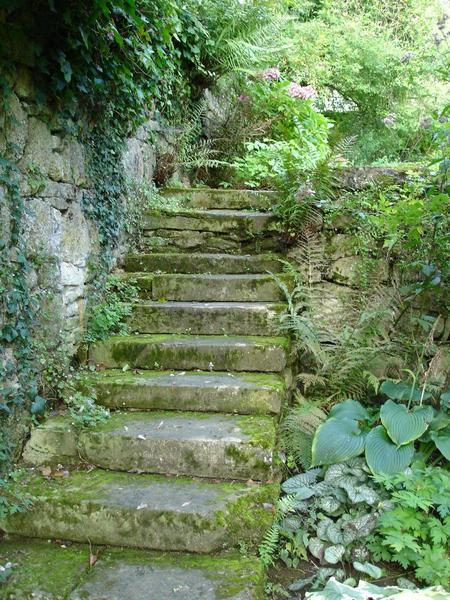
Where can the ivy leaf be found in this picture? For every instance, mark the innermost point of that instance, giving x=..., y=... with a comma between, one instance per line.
x=382, y=454
x=401, y=425
x=337, y=440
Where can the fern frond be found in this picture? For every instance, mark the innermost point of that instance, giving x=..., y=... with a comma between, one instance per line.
x=269, y=545
x=297, y=430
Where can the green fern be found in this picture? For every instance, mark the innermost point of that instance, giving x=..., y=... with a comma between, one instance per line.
x=297, y=431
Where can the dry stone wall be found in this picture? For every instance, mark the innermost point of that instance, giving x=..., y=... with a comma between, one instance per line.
x=53, y=179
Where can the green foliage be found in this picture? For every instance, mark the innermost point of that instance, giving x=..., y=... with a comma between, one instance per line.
x=335, y=590
x=84, y=410
x=375, y=78
x=387, y=435
x=113, y=57
x=295, y=138
x=106, y=317
x=11, y=502
x=328, y=513
x=297, y=431
x=415, y=532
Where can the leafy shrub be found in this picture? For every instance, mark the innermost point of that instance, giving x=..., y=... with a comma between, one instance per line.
x=107, y=316
x=295, y=136
x=389, y=446
x=328, y=512
x=416, y=531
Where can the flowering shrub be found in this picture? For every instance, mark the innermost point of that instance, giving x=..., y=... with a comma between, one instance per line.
x=295, y=135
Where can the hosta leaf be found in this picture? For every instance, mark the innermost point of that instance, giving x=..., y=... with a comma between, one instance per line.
x=442, y=441
x=333, y=554
x=441, y=421
x=427, y=412
x=369, y=569
x=337, y=440
x=399, y=390
x=349, y=409
x=382, y=454
x=401, y=425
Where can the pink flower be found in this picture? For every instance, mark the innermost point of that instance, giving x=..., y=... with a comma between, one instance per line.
x=271, y=74
x=243, y=98
x=305, y=92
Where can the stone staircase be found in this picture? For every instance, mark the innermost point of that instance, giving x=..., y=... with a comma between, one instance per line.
x=186, y=462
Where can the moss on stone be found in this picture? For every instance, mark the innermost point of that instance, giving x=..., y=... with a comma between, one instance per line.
x=42, y=567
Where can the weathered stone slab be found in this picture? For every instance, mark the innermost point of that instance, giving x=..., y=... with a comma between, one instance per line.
x=222, y=199
x=213, y=288
x=202, y=263
x=176, y=443
x=138, y=575
x=144, y=511
x=52, y=443
x=41, y=570
x=242, y=393
x=206, y=318
x=235, y=242
x=244, y=223
x=215, y=353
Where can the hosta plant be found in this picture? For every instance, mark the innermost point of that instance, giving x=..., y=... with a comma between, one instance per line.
x=387, y=437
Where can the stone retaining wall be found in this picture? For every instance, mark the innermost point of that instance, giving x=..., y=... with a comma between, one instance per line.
x=53, y=179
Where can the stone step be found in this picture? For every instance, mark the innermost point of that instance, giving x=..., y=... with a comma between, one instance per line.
x=222, y=199
x=61, y=571
x=138, y=575
x=209, y=288
x=201, y=263
x=241, y=393
x=206, y=318
x=215, y=353
x=238, y=241
x=214, y=220
x=192, y=444
x=143, y=511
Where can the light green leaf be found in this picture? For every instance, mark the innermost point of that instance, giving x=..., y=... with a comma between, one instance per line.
x=337, y=440
x=292, y=484
x=442, y=441
x=401, y=425
x=383, y=456
x=349, y=409
x=368, y=568
x=333, y=554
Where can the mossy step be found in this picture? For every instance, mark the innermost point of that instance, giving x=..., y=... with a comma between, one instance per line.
x=202, y=263
x=206, y=318
x=215, y=353
x=210, y=288
x=192, y=444
x=53, y=572
x=144, y=511
x=242, y=393
x=240, y=241
x=214, y=220
x=216, y=198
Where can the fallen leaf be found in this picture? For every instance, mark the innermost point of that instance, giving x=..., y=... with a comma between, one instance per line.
x=93, y=558
x=46, y=471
